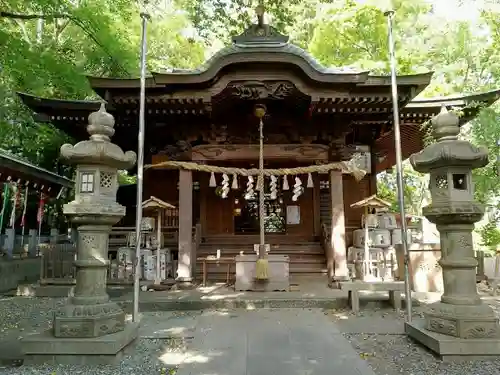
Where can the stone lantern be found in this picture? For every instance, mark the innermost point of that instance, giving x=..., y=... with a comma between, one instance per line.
x=90, y=325
x=459, y=324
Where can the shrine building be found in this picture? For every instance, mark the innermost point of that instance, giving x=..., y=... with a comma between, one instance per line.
x=314, y=115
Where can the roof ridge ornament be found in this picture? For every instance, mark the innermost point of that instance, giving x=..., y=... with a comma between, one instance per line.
x=260, y=33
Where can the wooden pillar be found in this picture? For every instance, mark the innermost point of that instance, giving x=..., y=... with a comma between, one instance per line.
x=184, y=266
x=203, y=202
x=337, y=239
x=316, y=206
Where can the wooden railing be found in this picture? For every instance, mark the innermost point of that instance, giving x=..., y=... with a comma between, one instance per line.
x=170, y=218
x=119, y=236
x=58, y=263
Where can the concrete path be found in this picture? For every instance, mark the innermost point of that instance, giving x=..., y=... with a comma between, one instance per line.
x=270, y=342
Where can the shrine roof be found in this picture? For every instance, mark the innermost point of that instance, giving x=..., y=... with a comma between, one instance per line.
x=258, y=45
x=372, y=201
x=13, y=168
x=154, y=203
x=56, y=110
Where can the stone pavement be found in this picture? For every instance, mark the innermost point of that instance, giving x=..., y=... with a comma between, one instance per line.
x=269, y=342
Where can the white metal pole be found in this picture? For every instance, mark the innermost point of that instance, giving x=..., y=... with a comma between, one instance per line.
x=140, y=170
x=158, y=247
x=261, y=190
x=399, y=163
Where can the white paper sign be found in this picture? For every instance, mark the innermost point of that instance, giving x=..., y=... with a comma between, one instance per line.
x=293, y=215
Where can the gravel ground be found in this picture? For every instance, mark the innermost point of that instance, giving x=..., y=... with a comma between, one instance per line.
x=22, y=315
x=388, y=354
x=395, y=354
x=144, y=360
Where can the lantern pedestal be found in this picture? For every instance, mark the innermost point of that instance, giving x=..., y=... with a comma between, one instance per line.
x=459, y=326
x=45, y=348
x=452, y=348
x=89, y=328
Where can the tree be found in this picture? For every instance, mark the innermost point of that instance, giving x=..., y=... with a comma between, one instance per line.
x=48, y=48
x=51, y=57
x=217, y=19
x=416, y=191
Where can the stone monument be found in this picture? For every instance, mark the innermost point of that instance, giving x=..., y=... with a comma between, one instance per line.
x=459, y=325
x=89, y=328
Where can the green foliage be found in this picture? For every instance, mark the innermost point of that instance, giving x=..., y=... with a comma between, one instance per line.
x=219, y=19
x=50, y=58
x=125, y=179
x=415, y=189
x=102, y=38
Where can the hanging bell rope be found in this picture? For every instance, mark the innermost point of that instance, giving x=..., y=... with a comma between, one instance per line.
x=344, y=166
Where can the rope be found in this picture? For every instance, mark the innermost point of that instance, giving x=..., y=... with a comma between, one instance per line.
x=344, y=166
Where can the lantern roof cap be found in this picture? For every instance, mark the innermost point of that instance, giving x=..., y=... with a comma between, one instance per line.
x=448, y=151
x=99, y=149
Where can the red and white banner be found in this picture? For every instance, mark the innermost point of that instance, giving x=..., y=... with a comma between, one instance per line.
x=23, y=217
x=41, y=205
x=15, y=202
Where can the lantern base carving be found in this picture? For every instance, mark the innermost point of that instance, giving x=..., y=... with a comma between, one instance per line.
x=462, y=321
x=451, y=348
x=88, y=320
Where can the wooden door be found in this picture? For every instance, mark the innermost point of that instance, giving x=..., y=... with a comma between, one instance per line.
x=218, y=213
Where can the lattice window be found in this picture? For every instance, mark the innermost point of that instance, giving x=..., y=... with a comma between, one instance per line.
x=86, y=182
x=106, y=180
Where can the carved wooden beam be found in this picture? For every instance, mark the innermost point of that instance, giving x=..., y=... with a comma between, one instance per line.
x=251, y=152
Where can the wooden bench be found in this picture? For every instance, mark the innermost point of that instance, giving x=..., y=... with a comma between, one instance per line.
x=393, y=287
x=212, y=260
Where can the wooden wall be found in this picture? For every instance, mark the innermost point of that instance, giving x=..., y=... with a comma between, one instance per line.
x=163, y=184
x=355, y=191
x=216, y=214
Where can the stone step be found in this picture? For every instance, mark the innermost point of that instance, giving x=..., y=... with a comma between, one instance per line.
x=233, y=251
x=252, y=239
x=307, y=259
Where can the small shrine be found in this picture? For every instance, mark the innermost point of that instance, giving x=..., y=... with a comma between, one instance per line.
x=373, y=256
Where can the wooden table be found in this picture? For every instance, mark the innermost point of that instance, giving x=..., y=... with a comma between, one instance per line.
x=213, y=260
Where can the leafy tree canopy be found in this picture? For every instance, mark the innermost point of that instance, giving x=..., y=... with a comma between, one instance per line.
x=49, y=45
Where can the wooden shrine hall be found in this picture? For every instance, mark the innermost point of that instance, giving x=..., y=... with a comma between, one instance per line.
x=314, y=115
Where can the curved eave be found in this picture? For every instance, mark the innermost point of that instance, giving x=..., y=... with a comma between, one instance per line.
x=261, y=57
x=100, y=85
x=421, y=79
x=432, y=106
x=21, y=169
x=487, y=98
x=36, y=102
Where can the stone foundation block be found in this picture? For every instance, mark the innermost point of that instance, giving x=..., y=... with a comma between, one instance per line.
x=44, y=348
x=451, y=348
x=88, y=320
x=279, y=275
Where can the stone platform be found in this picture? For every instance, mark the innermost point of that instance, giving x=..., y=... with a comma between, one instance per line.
x=44, y=348
x=451, y=348
x=306, y=292
x=394, y=288
x=279, y=274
